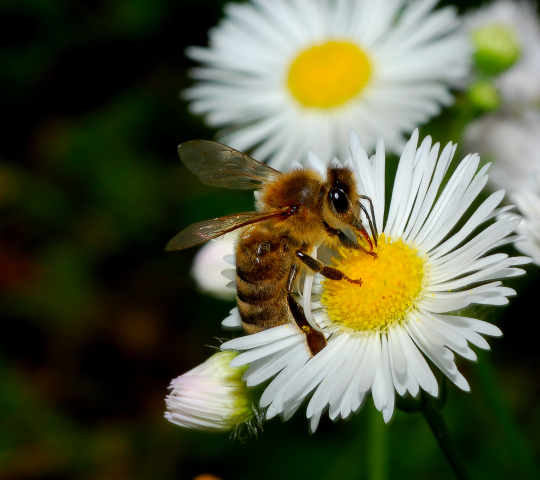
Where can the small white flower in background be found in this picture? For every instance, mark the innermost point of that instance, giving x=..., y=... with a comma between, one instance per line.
x=528, y=203
x=380, y=333
x=287, y=75
x=513, y=143
x=503, y=31
x=514, y=30
x=212, y=397
x=210, y=269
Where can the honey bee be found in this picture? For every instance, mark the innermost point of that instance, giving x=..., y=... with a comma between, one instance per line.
x=296, y=211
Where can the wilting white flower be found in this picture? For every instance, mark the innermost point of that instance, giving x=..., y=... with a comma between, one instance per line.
x=211, y=397
x=433, y=260
x=210, y=269
x=287, y=75
x=513, y=143
x=515, y=21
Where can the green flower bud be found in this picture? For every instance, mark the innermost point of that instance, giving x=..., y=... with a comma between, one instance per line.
x=484, y=96
x=496, y=48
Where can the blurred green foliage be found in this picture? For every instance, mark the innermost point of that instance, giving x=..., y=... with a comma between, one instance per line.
x=97, y=318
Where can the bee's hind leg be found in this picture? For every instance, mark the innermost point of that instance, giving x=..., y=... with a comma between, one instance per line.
x=316, y=341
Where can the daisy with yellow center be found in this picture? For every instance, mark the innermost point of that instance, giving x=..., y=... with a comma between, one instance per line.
x=432, y=261
x=282, y=76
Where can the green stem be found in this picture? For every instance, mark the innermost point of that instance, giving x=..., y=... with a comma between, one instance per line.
x=378, y=447
x=368, y=447
x=435, y=419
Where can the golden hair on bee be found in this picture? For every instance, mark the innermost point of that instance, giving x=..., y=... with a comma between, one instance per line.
x=296, y=211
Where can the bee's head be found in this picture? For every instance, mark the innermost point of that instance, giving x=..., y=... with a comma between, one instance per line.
x=341, y=201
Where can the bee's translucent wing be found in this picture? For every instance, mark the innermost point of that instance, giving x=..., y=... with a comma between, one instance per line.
x=228, y=237
x=222, y=166
x=209, y=229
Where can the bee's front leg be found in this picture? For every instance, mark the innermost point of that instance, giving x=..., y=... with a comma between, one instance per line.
x=326, y=271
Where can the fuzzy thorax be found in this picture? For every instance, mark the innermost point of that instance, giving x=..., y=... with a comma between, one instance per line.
x=300, y=189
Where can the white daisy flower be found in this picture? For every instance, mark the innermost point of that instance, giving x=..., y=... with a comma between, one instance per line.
x=528, y=202
x=513, y=143
x=431, y=262
x=512, y=22
x=287, y=75
x=211, y=267
x=212, y=397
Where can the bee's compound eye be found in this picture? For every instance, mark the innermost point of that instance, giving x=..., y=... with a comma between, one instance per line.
x=339, y=200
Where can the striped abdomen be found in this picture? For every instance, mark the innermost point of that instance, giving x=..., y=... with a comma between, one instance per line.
x=263, y=264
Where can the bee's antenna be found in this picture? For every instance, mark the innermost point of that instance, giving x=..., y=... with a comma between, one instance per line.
x=371, y=218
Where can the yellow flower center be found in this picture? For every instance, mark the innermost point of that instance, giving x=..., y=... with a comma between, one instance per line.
x=328, y=75
x=391, y=284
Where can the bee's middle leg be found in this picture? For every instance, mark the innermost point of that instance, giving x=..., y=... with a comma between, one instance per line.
x=316, y=341
x=326, y=271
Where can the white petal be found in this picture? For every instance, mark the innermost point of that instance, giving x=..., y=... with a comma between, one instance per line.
x=261, y=370
x=378, y=387
x=233, y=321
x=417, y=365
x=264, y=351
x=262, y=338
x=388, y=409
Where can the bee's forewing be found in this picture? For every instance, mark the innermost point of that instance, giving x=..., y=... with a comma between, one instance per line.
x=222, y=166
x=201, y=232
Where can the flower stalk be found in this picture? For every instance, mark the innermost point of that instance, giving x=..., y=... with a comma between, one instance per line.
x=432, y=411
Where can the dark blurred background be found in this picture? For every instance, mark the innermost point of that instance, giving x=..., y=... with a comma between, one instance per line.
x=96, y=318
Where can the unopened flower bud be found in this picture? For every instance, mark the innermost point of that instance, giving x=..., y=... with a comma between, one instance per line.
x=211, y=397
x=497, y=47
x=484, y=96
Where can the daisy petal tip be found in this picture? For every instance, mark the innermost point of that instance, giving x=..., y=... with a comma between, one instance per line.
x=232, y=321
x=526, y=260
x=388, y=414
x=236, y=362
x=229, y=327
x=189, y=51
x=495, y=332
x=230, y=344
x=412, y=143
x=460, y=381
x=335, y=163
x=354, y=139
x=313, y=161
x=295, y=165
x=311, y=155
x=249, y=382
